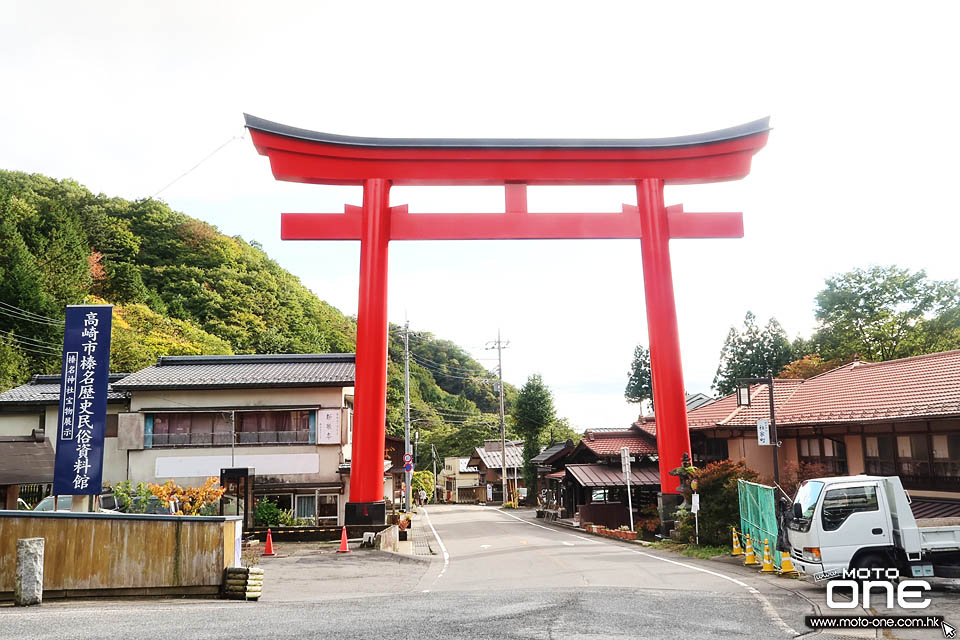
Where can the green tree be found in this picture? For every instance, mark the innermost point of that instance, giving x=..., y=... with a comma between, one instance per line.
x=13, y=363
x=532, y=417
x=640, y=381
x=561, y=431
x=751, y=353
x=423, y=480
x=885, y=312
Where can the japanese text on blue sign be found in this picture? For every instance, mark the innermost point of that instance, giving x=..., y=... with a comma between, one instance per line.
x=83, y=400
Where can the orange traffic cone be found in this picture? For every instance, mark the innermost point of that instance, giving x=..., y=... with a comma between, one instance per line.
x=343, y=542
x=767, y=566
x=268, y=549
x=737, y=551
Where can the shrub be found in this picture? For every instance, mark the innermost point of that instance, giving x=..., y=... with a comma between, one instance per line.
x=719, y=502
x=648, y=520
x=793, y=474
x=267, y=513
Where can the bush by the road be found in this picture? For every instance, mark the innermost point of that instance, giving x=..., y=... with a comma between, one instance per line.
x=719, y=504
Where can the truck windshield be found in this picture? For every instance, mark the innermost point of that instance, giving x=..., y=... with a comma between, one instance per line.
x=807, y=497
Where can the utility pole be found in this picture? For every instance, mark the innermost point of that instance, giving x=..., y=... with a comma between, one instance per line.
x=743, y=400
x=503, y=425
x=407, y=476
x=433, y=450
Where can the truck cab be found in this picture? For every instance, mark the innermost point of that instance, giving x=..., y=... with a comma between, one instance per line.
x=865, y=522
x=840, y=523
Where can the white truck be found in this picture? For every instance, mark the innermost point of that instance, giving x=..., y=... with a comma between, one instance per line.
x=865, y=522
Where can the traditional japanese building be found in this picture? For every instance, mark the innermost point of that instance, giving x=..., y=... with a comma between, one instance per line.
x=899, y=417
x=489, y=464
x=460, y=481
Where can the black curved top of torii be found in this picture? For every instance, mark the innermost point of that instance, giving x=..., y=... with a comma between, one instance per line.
x=721, y=135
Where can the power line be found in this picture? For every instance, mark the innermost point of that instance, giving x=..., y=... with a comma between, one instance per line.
x=45, y=352
x=427, y=362
x=19, y=316
x=30, y=313
x=39, y=343
x=194, y=167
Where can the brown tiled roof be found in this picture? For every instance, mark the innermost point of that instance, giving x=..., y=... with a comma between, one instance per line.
x=602, y=475
x=609, y=443
x=910, y=388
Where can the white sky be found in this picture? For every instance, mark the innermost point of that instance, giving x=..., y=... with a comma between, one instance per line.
x=859, y=169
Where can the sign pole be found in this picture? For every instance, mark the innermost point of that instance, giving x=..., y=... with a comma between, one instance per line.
x=625, y=463
x=84, y=381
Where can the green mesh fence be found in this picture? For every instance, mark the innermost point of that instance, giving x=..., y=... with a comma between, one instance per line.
x=758, y=517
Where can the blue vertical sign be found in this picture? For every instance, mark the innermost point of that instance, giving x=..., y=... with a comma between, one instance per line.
x=83, y=400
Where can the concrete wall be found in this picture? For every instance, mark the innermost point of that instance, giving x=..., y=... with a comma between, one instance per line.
x=759, y=458
x=19, y=424
x=279, y=463
x=98, y=553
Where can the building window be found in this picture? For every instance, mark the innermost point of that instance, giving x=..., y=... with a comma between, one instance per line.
x=212, y=428
x=946, y=456
x=879, y=456
x=273, y=426
x=913, y=456
x=284, y=501
x=327, y=507
x=110, y=426
x=306, y=507
x=826, y=451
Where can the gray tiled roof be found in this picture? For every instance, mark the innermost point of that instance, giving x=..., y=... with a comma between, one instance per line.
x=43, y=389
x=549, y=452
x=492, y=458
x=25, y=460
x=245, y=371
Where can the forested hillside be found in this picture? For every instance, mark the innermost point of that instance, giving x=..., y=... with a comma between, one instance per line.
x=182, y=288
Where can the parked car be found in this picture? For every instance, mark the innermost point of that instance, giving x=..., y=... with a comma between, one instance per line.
x=108, y=503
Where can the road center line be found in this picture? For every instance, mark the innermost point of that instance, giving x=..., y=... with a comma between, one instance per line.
x=443, y=548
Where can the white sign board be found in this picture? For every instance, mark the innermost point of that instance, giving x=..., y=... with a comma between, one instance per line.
x=763, y=432
x=695, y=507
x=328, y=426
x=625, y=460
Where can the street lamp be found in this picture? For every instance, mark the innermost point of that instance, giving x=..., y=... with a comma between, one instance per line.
x=743, y=400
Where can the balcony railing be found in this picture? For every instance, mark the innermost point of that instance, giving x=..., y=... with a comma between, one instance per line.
x=226, y=439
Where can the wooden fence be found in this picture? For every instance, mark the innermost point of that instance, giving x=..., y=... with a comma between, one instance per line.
x=121, y=554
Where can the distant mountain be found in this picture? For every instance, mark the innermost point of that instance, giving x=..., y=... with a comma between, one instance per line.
x=181, y=287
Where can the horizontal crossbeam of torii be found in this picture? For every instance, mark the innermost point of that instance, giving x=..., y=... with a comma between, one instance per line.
x=301, y=155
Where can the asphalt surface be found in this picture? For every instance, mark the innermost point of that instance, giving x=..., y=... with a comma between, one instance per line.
x=497, y=575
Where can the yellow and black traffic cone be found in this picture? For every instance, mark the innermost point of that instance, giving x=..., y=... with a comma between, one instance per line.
x=737, y=551
x=749, y=558
x=787, y=569
x=767, y=566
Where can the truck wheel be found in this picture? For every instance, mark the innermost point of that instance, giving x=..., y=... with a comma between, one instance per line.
x=871, y=561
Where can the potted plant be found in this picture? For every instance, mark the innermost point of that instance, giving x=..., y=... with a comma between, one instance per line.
x=402, y=524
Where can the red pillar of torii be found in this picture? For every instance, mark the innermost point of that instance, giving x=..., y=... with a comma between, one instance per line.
x=300, y=155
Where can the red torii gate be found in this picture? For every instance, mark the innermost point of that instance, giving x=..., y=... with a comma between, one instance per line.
x=299, y=155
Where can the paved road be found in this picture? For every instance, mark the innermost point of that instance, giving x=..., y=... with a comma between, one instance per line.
x=506, y=575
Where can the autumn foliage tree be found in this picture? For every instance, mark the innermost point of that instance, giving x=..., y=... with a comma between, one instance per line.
x=190, y=501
